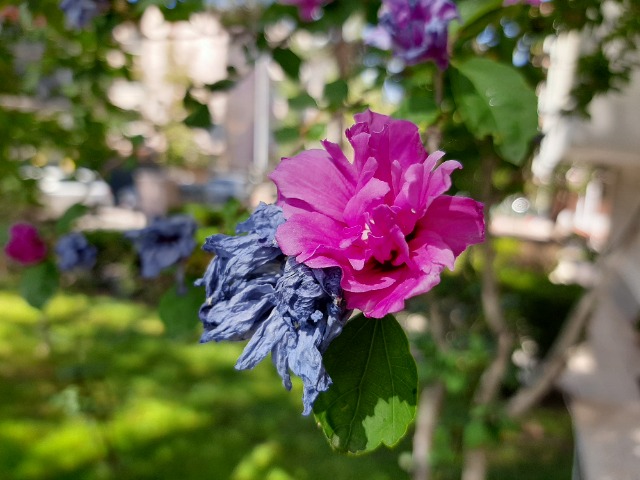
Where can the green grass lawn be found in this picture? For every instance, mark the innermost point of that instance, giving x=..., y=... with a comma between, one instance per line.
x=116, y=399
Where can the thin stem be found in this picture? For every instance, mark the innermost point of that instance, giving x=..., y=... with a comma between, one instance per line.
x=45, y=347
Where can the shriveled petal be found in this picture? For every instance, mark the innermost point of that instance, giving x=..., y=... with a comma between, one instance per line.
x=237, y=317
x=315, y=178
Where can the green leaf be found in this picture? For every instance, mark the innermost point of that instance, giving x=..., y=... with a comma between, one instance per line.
x=221, y=85
x=476, y=434
x=336, y=93
x=302, y=101
x=287, y=134
x=66, y=221
x=494, y=100
x=473, y=10
x=39, y=283
x=289, y=61
x=179, y=313
x=198, y=113
x=373, y=397
x=419, y=107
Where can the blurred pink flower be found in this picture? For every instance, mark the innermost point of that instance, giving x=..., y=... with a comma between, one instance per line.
x=309, y=10
x=25, y=245
x=382, y=219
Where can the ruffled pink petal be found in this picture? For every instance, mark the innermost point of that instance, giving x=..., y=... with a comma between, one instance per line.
x=313, y=238
x=420, y=186
x=401, y=141
x=440, y=179
x=316, y=179
x=378, y=303
x=459, y=221
x=429, y=249
x=366, y=198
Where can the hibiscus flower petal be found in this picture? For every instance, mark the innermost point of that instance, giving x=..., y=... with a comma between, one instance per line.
x=311, y=238
x=315, y=178
x=458, y=220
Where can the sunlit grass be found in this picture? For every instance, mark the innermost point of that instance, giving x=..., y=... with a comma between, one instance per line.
x=116, y=399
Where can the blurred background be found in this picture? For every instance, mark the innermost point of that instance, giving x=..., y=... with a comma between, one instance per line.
x=528, y=353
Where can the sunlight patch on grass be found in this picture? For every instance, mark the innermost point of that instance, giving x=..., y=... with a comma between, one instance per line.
x=15, y=309
x=145, y=420
x=64, y=448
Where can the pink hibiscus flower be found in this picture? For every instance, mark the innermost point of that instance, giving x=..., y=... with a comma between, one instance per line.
x=25, y=245
x=383, y=219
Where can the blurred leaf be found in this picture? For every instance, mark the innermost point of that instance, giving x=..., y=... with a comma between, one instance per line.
x=179, y=313
x=222, y=85
x=336, y=93
x=373, y=397
x=302, y=101
x=476, y=434
x=200, y=118
x=317, y=131
x=419, y=107
x=39, y=283
x=289, y=61
x=198, y=113
x=287, y=134
x=66, y=221
x=495, y=100
x=473, y=10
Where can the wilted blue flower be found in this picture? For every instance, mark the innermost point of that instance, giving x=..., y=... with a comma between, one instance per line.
x=286, y=308
x=416, y=30
x=79, y=13
x=164, y=243
x=75, y=251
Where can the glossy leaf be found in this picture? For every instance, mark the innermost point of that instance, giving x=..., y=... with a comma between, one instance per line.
x=495, y=100
x=373, y=397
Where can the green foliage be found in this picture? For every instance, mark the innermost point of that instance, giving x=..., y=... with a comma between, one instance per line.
x=65, y=223
x=288, y=60
x=373, y=397
x=39, y=283
x=179, y=311
x=504, y=109
x=116, y=399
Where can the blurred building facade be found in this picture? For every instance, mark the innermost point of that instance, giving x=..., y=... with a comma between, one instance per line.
x=602, y=155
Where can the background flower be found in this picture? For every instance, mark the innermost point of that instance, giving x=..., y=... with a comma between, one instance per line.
x=75, y=251
x=25, y=245
x=164, y=243
x=386, y=224
x=416, y=30
x=287, y=309
x=308, y=9
x=79, y=13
